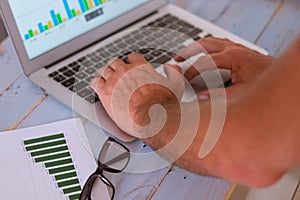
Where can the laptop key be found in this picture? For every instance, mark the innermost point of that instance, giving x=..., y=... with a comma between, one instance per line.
x=53, y=74
x=162, y=60
x=91, y=55
x=73, y=64
x=84, y=92
x=98, y=66
x=69, y=82
x=81, y=76
x=113, y=50
x=78, y=86
x=196, y=38
x=69, y=73
x=59, y=78
x=148, y=58
x=143, y=51
x=63, y=69
x=156, y=53
x=76, y=68
x=122, y=45
x=82, y=59
x=89, y=79
x=96, y=59
x=196, y=31
x=90, y=71
x=104, y=54
x=87, y=63
x=171, y=54
x=130, y=41
x=92, y=99
x=142, y=43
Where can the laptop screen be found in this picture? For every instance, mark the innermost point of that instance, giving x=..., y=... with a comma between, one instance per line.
x=44, y=25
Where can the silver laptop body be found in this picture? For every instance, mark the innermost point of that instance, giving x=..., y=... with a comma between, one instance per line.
x=54, y=51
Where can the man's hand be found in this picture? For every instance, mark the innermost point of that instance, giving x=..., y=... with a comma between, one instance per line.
x=128, y=91
x=2, y=51
x=256, y=146
x=245, y=64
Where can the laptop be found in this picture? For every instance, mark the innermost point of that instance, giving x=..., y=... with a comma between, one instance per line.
x=61, y=43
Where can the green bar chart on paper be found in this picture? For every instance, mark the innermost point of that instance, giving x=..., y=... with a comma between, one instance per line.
x=53, y=153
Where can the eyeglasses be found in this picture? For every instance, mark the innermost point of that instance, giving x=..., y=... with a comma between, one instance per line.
x=114, y=158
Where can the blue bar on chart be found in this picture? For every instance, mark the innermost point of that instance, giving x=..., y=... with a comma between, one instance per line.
x=54, y=18
x=27, y=36
x=41, y=27
x=82, y=6
x=97, y=2
x=68, y=10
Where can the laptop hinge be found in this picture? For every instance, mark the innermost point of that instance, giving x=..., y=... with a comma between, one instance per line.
x=137, y=21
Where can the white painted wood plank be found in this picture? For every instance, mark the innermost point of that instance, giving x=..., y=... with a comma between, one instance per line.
x=209, y=10
x=283, y=28
x=17, y=101
x=247, y=18
x=50, y=110
x=10, y=68
x=180, y=184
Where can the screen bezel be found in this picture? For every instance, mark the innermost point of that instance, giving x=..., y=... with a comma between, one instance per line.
x=74, y=45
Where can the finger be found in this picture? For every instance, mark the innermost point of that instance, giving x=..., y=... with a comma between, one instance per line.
x=191, y=73
x=174, y=74
x=97, y=83
x=101, y=71
x=172, y=71
x=137, y=59
x=208, y=63
x=204, y=63
x=108, y=73
x=206, y=45
x=115, y=63
x=188, y=52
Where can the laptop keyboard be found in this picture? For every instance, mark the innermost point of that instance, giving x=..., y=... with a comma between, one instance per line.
x=78, y=74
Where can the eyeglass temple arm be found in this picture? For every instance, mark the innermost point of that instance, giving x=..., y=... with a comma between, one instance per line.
x=120, y=157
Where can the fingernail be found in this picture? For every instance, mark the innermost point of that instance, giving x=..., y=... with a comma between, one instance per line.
x=203, y=97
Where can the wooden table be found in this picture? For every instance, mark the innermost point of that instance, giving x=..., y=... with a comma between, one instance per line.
x=272, y=24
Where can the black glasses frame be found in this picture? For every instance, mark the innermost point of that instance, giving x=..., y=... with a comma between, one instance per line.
x=87, y=189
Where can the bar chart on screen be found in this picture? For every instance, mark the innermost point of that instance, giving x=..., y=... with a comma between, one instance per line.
x=49, y=24
x=89, y=8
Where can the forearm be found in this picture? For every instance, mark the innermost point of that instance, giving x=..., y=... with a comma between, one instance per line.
x=276, y=99
x=259, y=141
x=235, y=156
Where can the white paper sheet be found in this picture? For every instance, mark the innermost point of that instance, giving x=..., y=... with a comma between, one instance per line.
x=29, y=167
